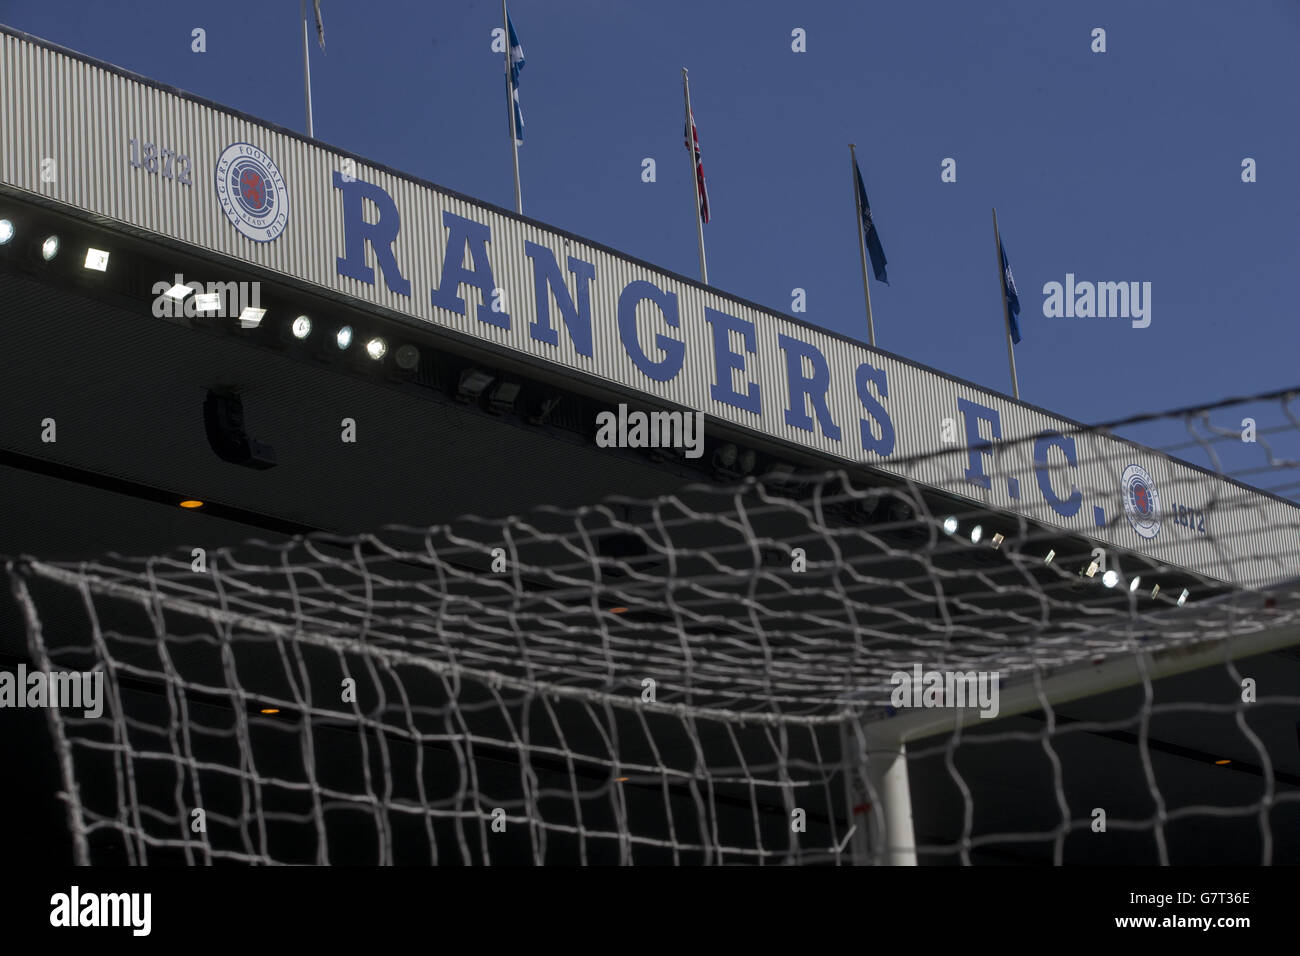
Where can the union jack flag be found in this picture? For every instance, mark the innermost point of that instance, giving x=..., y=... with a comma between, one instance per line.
x=693, y=144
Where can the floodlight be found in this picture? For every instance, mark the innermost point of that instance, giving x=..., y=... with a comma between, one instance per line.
x=207, y=302
x=472, y=383
x=251, y=318
x=950, y=525
x=407, y=357
x=376, y=348
x=97, y=259
x=1110, y=578
x=502, y=398
x=50, y=248
x=301, y=327
x=6, y=231
x=976, y=533
x=344, y=337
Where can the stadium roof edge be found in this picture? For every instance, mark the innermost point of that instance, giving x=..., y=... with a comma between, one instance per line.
x=511, y=214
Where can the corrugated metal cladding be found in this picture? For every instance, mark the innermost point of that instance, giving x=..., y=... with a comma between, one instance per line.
x=82, y=116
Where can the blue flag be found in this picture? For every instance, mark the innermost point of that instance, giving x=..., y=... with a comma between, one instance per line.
x=516, y=64
x=1012, y=296
x=869, y=228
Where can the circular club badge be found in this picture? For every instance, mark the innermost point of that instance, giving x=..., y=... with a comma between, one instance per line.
x=1141, y=501
x=252, y=193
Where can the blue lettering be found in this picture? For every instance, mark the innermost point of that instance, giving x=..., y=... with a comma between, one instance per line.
x=461, y=234
x=547, y=280
x=1042, y=445
x=726, y=362
x=813, y=388
x=974, y=413
x=884, y=445
x=380, y=234
x=674, y=351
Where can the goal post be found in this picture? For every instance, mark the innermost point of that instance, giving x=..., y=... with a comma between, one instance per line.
x=768, y=672
x=882, y=739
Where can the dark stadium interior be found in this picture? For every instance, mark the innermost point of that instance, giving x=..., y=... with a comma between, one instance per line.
x=127, y=390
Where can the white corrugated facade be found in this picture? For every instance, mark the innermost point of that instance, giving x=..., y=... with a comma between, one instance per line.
x=81, y=115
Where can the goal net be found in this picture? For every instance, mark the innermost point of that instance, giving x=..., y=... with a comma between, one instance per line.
x=795, y=668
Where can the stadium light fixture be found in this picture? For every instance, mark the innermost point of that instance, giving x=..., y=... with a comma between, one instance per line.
x=1050, y=555
x=178, y=292
x=997, y=540
x=1092, y=569
x=976, y=533
x=1135, y=584
x=950, y=525
x=376, y=348
x=207, y=302
x=6, y=231
x=344, y=337
x=502, y=398
x=407, y=357
x=301, y=327
x=97, y=260
x=1155, y=590
x=50, y=248
x=1110, y=578
x=472, y=383
x=251, y=318
x=1182, y=598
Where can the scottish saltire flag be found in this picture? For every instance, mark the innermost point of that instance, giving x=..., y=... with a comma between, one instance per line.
x=1013, y=296
x=320, y=24
x=869, y=228
x=693, y=144
x=516, y=64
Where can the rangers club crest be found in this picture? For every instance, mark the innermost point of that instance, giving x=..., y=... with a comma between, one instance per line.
x=252, y=193
x=1141, y=501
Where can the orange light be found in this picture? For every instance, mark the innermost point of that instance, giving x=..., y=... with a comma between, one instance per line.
x=191, y=503
x=620, y=779
x=618, y=610
x=1220, y=763
x=270, y=710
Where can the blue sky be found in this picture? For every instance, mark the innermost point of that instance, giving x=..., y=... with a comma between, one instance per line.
x=1115, y=166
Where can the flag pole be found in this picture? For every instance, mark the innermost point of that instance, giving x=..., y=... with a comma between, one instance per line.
x=1006, y=306
x=862, y=243
x=695, y=186
x=306, y=67
x=510, y=108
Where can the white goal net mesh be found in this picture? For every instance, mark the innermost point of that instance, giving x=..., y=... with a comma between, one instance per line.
x=710, y=676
